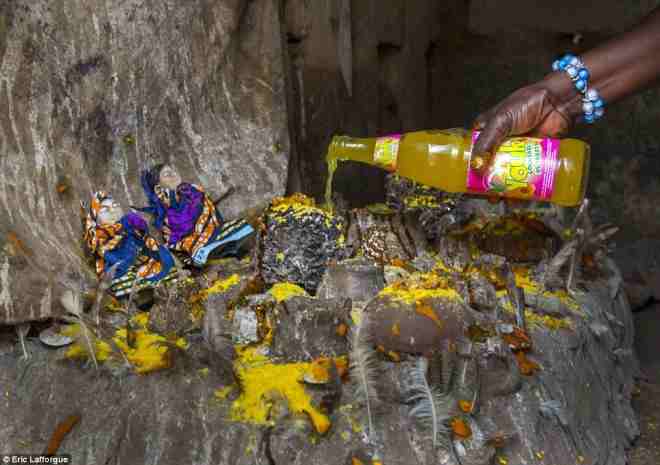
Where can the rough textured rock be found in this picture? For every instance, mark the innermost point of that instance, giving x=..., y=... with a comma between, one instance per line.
x=298, y=243
x=577, y=393
x=358, y=279
x=94, y=91
x=145, y=419
x=305, y=328
x=416, y=327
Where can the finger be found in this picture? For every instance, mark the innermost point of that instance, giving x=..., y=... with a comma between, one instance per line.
x=555, y=124
x=494, y=133
x=482, y=120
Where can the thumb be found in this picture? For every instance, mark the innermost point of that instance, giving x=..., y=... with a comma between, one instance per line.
x=494, y=133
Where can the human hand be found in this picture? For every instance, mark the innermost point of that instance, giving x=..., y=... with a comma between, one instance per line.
x=534, y=110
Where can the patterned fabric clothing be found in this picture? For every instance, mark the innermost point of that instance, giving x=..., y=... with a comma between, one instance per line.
x=191, y=219
x=125, y=246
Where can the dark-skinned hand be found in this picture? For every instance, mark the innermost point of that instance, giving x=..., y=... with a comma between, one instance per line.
x=532, y=111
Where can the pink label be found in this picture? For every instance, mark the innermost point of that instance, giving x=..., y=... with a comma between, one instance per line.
x=386, y=151
x=524, y=168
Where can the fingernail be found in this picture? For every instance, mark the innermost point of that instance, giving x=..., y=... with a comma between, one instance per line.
x=477, y=162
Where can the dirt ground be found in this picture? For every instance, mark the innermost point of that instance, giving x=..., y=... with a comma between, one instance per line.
x=647, y=400
x=647, y=404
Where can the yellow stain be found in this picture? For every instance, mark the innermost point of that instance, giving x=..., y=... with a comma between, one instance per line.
x=396, y=329
x=259, y=377
x=534, y=319
x=284, y=291
x=221, y=285
x=150, y=352
x=222, y=393
x=420, y=286
x=418, y=201
x=428, y=312
x=197, y=312
x=465, y=406
x=298, y=204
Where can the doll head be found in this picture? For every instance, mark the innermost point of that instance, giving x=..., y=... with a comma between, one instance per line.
x=167, y=176
x=104, y=210
x=110, y=212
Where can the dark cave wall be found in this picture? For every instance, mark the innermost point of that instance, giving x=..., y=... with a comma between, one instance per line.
x=429, y=64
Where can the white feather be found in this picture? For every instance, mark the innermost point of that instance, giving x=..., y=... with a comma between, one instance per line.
x=432, y=408
x=364, y=372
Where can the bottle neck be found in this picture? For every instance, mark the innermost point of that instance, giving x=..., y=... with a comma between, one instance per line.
x=344, y=148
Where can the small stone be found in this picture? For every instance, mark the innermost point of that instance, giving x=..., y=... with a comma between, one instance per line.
x=245, y=327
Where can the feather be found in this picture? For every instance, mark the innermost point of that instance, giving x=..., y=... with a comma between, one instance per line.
x=22, y=330
x=71, y=302
x=364, y=372
x=432, y=409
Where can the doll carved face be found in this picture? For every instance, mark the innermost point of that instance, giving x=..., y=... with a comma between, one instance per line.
x=169, y=178
x=110, y=212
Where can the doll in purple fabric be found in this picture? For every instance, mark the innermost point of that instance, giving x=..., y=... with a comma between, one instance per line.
x=188, y=218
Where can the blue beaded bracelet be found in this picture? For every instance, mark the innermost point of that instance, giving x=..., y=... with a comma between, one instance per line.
x=592, y=105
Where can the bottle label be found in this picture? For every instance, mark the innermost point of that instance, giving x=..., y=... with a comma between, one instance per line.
x=524, y=167
x=386, y=151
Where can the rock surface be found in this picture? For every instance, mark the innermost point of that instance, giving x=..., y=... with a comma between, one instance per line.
x=578, y=393
x=95, y=91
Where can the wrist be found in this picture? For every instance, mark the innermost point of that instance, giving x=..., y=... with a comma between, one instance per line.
x=563, y=94
x=561, y=88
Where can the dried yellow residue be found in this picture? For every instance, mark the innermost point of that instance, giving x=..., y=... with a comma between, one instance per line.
x=259, y=377
x=346, y=410
x=394, y=356
x=420, y=286
x=300, y=204
x=319, y=371
x=421, y=201
x=114, y=306
x=218, y=287
x=534, y=319
x=547, y=321
x=441, y=267
x=465, y=406
x=396, y=329
x=379, y=209
x=222, y=393
x=149, y=352
x=524, y=281
x=428, y=312
x=279, y=256
x=197, y=312
x=284, y=291
x=297, y=199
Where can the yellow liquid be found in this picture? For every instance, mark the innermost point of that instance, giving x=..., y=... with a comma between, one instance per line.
x=440, y=159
